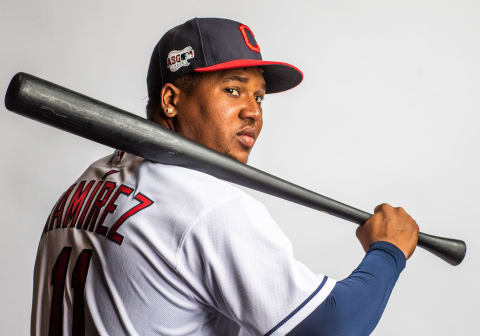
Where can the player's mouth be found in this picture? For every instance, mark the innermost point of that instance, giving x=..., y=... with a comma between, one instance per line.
x=247, y=136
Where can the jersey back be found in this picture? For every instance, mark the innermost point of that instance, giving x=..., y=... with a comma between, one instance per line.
x=139, y=248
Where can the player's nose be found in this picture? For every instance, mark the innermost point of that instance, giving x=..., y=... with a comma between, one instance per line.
x=251, y=109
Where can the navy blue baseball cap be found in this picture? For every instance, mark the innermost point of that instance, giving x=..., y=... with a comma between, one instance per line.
x=213, y=44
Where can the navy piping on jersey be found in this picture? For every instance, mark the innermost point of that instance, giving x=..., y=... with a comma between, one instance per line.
x=298, y=308
x=355, y=304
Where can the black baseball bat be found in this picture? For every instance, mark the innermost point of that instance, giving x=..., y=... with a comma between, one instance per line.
x=73, y=112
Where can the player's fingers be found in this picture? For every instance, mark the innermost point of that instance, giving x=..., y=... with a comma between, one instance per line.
x=358, y=231
x=403, y=212
x=383, y=207
x=361, y=236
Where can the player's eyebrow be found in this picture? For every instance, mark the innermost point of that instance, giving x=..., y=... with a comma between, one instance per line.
x=241, y=79
x=236, y=78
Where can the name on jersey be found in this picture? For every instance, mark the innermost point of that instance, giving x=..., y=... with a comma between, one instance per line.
x=85, y=206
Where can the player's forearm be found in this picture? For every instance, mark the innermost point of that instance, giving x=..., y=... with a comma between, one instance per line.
x=356, y=304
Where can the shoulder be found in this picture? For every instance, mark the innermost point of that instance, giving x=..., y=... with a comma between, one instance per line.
x=197, y=189
x=181, y=195
x=166, y=181
x=188, y=192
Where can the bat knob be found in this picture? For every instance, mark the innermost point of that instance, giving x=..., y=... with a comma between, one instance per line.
x=451, y=250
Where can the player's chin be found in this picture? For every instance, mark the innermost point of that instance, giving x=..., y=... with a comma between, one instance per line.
x=240, y=153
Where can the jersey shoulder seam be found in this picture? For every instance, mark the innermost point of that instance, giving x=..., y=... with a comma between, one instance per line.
x=189, y=229
x=200, y=217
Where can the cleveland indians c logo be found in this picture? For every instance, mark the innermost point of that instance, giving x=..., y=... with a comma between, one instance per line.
x=245, y=30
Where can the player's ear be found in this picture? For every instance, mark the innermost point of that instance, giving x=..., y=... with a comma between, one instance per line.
x=169, y=96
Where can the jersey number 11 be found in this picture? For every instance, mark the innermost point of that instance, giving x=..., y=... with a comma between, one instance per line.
x=79, y=276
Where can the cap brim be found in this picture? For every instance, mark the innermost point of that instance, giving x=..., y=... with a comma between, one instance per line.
x=278, y=76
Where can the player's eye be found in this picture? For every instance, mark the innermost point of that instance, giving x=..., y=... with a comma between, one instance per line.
x=232, y=91
x=259, y=99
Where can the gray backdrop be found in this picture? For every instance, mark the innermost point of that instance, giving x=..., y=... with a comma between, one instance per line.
x=387, y=112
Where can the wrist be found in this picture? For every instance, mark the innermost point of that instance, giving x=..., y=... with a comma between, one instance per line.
x=390, y=249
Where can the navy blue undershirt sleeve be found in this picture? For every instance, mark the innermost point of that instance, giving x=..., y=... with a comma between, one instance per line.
x=356, y=303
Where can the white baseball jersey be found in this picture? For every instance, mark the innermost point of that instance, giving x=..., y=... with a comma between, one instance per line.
x=141, y=248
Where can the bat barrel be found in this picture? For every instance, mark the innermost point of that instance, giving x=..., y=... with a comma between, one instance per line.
x=73, y=112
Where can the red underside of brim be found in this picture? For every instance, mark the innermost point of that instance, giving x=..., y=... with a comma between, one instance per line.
x=244, y=63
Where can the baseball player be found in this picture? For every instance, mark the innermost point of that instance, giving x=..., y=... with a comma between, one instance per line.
x=134, y=247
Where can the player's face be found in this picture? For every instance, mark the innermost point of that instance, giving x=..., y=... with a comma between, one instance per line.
x=224, y=112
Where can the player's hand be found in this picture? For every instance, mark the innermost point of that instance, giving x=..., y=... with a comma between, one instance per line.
x=390, y=224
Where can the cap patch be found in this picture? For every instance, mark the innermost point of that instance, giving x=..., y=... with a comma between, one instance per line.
x=179, y=58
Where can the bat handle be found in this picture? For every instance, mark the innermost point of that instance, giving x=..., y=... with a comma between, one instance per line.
x=451, y=250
